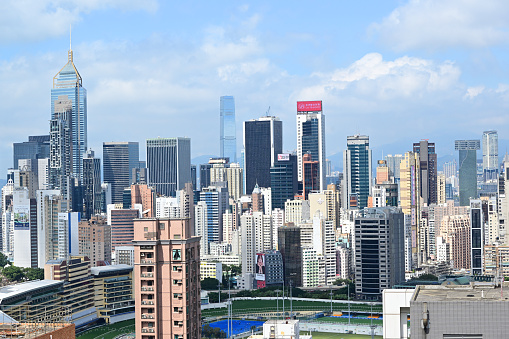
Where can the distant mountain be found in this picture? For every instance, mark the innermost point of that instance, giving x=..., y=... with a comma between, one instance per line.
x=202, y=159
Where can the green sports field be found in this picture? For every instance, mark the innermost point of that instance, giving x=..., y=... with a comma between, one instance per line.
x=109, y=331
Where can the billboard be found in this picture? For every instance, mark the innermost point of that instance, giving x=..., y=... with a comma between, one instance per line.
x=283, y=157
x=21, y=217
x=309, y=106
x=260, y=266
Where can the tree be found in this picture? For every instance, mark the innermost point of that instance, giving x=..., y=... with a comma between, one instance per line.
x=3, y=260
x=33, y=273
x=236, y=270
x=13, y=273
x=426, y=277
x=209, y=284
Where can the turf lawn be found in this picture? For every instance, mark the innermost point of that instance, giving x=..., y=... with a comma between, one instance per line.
x=353, y=320
x=109, y=331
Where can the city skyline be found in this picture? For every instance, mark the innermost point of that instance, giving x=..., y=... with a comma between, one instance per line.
x=369, y=68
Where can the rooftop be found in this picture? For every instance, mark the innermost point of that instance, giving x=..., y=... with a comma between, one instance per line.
x=473, y=292
x=110, y=269
x=17, y=289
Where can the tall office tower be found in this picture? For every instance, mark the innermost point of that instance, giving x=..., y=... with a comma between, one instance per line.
x=122, y=224
x=228, y=138
x=95, y=240
x=205, y=175
x=146, y=197
x=393, y=162
x=467, y=169
x=37, y=147
x=91, y=185
x=167, y=279
x=234, y=178
x=28, y=176
x=410, y=197
x=67, y=86
x=379, y=255
x=310, y=175
x=193, y=176
x=24, y=244
x=283, y=180
x=357, y=176
x=61, y=156
x=477, y=237
x=290, y=247
x=263, y=141
x=490, y=155
x=382, y=172
x=119, y=160
x=450, y=169
x=169, y=164
x=428, y=171
x=311, y=138
x=216, y=201
x=49, y=205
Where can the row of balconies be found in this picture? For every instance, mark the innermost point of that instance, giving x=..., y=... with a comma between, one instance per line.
x=147, y=275
x=146, y=261
x=147, y=288
x=147, y=330
x=147, y=302
x=147, y=316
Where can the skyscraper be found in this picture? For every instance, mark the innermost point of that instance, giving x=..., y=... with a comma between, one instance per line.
x=467, y=169
x=228, y=139
x=37, y=147
x=283, y=180
x=263, y=141
x=169, y=164
x=215, y=199
x=119, y=159
x=428, y=168
x=67, y=86
x=490, y=155
x=357, y=172
x=311, y=137
x=91, y=185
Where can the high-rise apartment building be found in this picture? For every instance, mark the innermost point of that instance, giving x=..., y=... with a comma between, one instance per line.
x=146, y=197
x=393, y=162
x=311, y=138
x=95, y=240
x=263, y=141
x=61, y=174
x=67, y=87
x=379, y=255
x=467, y=169
x=357, y=176
x=477, y=237
x=167, y=279
x=283, y=180
x=382, y=172
x=169, y=164
x=215, y=201
x=228, y=138
x=119, y=159
x=428, y=170
x=121, y=221
x=490, y=155
x=310, y=175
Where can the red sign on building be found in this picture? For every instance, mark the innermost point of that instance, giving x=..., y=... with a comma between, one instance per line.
x=309, y=106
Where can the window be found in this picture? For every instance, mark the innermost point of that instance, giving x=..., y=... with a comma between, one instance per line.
x=177, y=254
x=145, y=229
x=176, y=236
x=161, y=226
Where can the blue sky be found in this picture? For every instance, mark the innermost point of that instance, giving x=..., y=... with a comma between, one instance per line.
x=398, y=71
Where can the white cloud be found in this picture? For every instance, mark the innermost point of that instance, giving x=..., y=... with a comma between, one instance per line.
x=35, y=20
x=472, y=92
x=438, y=24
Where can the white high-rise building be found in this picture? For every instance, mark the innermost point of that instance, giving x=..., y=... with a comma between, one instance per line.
x=489, y=151
x=200, y=222
x=311, y=137
x=49, y=205
x=256, y=237
x=278, y=220
x=22, y=243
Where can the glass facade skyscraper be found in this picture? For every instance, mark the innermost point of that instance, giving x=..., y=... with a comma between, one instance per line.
x=119, y=159
x=169, y=164
x=467, y=169
x=357, y=172
x=228, y=139
x=428, y=168
x=490, y=155
x=283, y=180
x=67, y=85
x=263, y=141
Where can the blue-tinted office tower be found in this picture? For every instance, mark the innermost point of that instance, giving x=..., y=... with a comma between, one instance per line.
x=119, y=160
x=467, y=169
x=37, y=147
x=67, y=86
x=283, y=180
x=228, y=142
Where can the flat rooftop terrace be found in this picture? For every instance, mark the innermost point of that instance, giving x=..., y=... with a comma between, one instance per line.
x=476, y=292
